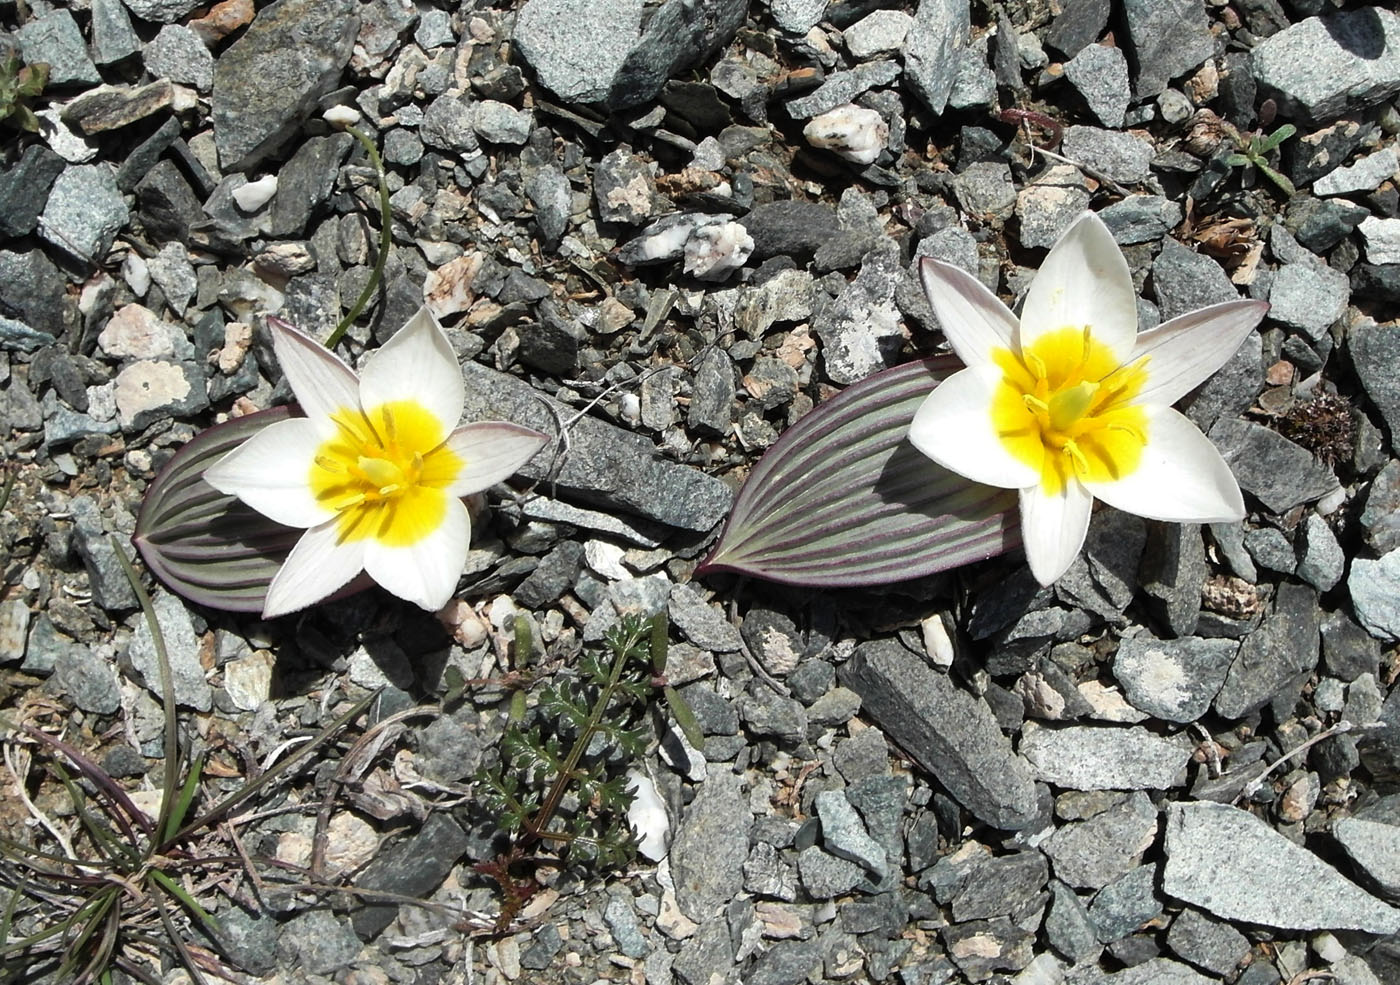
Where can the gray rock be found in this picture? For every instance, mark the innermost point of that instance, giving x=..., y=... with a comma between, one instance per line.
x=1100, y=74
x=93, y=543
x=549, y=192
x=1068, y=927
x=434, y=30
x=844, y=835
x=1120, y=156
x=113, y=37
x=178, y=54
x=1380, y=239
x=771, y=715
x=1169, y=38
x=87, y=679
x=1141, y=218
x=788, y=963
x=414, y=866
x=940, y=30
x=1321, y=561
x=271, y=79
x=173, y=273
x=1048, y=204
x=623, y=188
x=826, y=876
x=1367, y=174
x=790, y=228
x=1375, y=353
x=1125, y=904
x=499, y=123
x=1174, y=680
x=150, y=390
x=161, y=11
x=606, y=465
x=1380, y=518
x=983, y=947
x=841, y=88
x=1003, y=885
x=16, y=336
x=1276, y=657
x=947, y=731
x=974, y=85
x=1079, y=23
x=876, y=33
x=677, y=35
x=402, y=146
x=861, y=332
x=700, y=621
x=709, y=948
x=1088, y=757
x=1312, y=69
x=1159, y=971
x=182, y=650
x=1172, y=570
x=1184, y=280
x=1210, y=945
x=711, y=844
x=24, y=189
x=54, y=38
x=1308, y=297
x=985, y=189
x=321, y=942
x=797, y=17
x=449, y=750
x=167, y=206
x=712, y=397
x=621, y=918
x=1375, y=849
x=447, y=123
x=1320, y=224
x=1229, y=863
x=1375, y=594
x=84, y=211
x=1090, y=854
x=1277, y=472
x=1270, y=549
x=304, y=182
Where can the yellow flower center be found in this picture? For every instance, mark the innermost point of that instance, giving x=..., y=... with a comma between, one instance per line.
x=1063, y=408
x=384, y=473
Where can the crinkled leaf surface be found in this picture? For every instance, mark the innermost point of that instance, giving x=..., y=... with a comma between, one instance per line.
x=204, y=545
x=843, y=498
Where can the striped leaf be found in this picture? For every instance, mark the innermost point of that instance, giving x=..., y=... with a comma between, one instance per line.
x=204, y=545
x=843, y=498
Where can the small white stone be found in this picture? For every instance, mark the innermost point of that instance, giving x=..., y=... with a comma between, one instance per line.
x=605, y=559
x=147, y=385
x=248, y=680
x=1382, y=238
x=137, y=274
x=255, y=194
x=714, y=250
x=135, y=331
x=849, y=131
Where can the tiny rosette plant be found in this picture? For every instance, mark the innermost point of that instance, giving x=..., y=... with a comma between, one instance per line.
x=1069, y=403
x=376, y=471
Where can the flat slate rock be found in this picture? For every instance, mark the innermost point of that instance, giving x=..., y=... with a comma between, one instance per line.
x=1228, y=862
x=1274, y=470
x=940, y=30
x=1375, y=848
x=948, y=731
x=1092, y=757
x=606, y=465
x=271, y=79
x=1281, y=652
x=1322, y=67
x=1174, y=680
x=712, y=843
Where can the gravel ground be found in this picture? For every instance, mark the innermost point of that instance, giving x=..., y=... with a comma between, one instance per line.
x=689, y=222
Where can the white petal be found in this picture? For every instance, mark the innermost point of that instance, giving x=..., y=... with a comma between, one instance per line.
x=316, y=568
x=323, y=384
x=426, y=573
x=1185, y=351
x=972, y=318
x=1083, y=281
x=953, y=426
x=271, y=472
x=1181, y=478
x=492, y=451
x=417, y=364
x=1053, y=528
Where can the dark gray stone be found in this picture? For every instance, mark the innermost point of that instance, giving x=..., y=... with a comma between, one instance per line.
x=621, y=918
x=1120, y=156
x=606, y=465
x=1308, y=297
x=712, y=398
x=1277, y=472
x=1375, y=354
x=1092, y=757
x=447, y=124
x=1005, y=885
x=54, y=38
x=1374, y=847
x=24, y=189
x=304, y=182
x=790, y=228
x=1090, y=854
x=1169, y=38
x=787, y=963
x=861, y=331
x=1380, y=516
x=841, y=88
x=414, y=866
x=1211, y=945
x=769, y=714
x=1174, y=680
x=320, y=941
x=84, y=211
x=182, y=650
x=946, y=730
x=1232, y=390
x=1321, y=561
x=1275, y=657
x=1229, y=863
x=87, y=678
x=1347, y=650
x=113, y=37
x=940, y=30
x=1068, y=927
x=166, y=204
x=1100, y=74
x=1322, y=67
x=1171, y=572
x=1375, y=594
x=1309, y=156
x=552, y=196
x=1270, y=549
x=271, y=79
x=1320, y=224
x=552, y=577
x=1184, y=280
x=999, y=945
x=178, y=54
x=711, y=844
x=1141, y=218
x=1079, y=23
x=844, y=835
x=1125, y=904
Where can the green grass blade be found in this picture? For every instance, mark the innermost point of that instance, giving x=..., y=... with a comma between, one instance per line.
x=185, y=899
x=181, y=808
x=176, y=941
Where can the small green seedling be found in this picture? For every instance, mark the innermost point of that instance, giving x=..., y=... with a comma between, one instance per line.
x=1253, y=149
x=18, y=85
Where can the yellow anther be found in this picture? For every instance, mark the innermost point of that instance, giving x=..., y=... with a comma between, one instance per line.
x=1081, y=464
x=1035, y=404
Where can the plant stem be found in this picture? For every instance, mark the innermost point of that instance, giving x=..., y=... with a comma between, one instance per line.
x=385, y=239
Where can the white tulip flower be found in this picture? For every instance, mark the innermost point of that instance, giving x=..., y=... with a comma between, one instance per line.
x=375, y=471
x=1070, y=403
